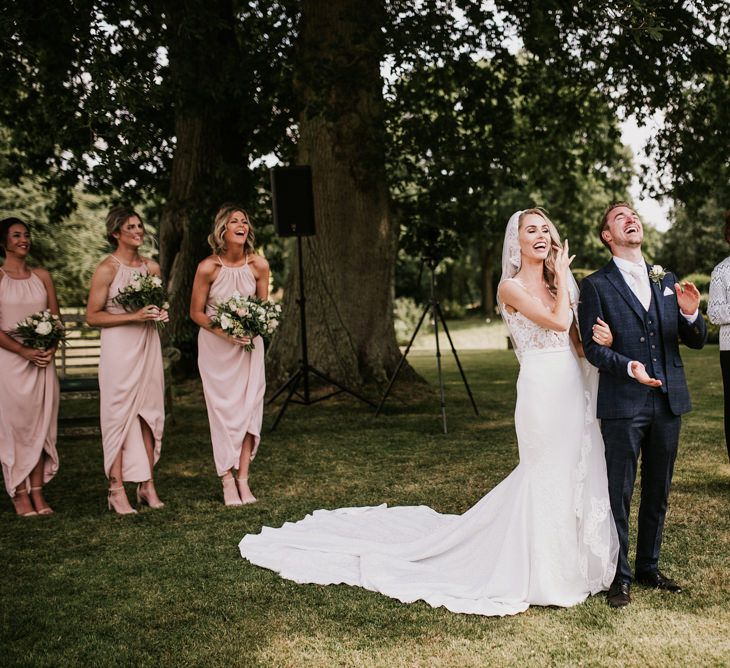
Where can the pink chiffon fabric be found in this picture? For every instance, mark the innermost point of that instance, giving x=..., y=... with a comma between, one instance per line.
x=28, y=394
x=132, y=387
x=234, y=381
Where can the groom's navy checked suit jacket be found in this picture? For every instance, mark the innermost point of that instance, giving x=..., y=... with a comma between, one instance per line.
x=606, y=295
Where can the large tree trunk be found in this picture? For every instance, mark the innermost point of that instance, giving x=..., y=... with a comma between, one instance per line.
x=349, y=264
x=202, y=44
x=184, y=225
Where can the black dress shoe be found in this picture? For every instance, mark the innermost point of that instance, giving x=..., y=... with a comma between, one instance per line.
x=658, y=581
x=619, y=594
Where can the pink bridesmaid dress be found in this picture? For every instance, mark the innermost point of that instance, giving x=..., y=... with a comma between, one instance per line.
x=234, y=381
x=132, y=386
x=28, y=394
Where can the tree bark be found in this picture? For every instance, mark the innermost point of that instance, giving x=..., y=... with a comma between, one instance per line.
x=202, y=50
x=349, y=264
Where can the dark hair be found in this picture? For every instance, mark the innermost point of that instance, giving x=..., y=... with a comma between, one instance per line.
x=603, y=226
x=727, y=226
x=5, y=225
x=117, y=216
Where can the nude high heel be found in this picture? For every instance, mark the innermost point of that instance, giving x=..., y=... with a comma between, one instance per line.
x=118, y=491
x=43, y=511
x=143, y=500
x=245, y=492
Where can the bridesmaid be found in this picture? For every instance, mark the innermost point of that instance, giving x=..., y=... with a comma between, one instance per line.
x=28, y=383
x=233, y=379
x=131, y=380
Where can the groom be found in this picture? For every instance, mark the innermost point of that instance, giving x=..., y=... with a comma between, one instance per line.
x=642, y=390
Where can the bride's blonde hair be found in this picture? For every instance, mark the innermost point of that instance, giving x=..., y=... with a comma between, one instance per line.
x=548, y=267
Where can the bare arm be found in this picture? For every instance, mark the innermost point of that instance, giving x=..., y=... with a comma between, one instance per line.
x=260, y=269
x=204, y=277
x=559, y=318
x=97, y=316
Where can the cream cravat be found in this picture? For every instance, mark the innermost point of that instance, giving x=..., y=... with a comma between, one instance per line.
x=641, y=287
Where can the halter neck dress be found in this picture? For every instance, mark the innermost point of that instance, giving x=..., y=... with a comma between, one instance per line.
x=28, y=394
x=234, y=381
x=131, y=386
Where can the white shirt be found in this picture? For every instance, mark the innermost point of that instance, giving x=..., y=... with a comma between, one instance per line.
x=625, y=267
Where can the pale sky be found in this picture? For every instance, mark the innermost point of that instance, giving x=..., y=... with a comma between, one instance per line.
x=635, y=136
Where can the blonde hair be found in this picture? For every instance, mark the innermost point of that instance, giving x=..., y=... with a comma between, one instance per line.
x=220, y=222
x=548, y=270
x=117, y=216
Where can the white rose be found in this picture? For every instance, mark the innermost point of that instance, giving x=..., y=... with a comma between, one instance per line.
x=157, y=281
x=225, y=321
x=44, y=328
x=135, y=285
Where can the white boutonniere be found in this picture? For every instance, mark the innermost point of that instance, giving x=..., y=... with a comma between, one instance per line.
x=657, y=273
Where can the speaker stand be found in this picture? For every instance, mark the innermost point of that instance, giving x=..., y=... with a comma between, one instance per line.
x=301, y=375
x=434, y=308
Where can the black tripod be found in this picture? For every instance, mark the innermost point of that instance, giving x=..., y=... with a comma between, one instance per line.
x=302, y=373
x=434, y=308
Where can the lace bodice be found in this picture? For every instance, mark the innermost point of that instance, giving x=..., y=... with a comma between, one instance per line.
x=526, y=335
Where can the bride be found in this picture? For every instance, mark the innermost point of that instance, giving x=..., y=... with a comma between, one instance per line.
x=545, y=534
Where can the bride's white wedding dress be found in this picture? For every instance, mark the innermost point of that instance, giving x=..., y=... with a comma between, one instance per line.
x=543, y=536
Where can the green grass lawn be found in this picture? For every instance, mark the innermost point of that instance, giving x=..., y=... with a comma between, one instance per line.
x=168, y=587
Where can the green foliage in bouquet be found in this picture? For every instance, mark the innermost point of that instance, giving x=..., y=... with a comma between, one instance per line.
x=41, y=330
x=242, y=316
x=143, y=291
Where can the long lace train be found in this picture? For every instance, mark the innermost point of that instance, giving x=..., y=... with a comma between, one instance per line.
x=543, y=536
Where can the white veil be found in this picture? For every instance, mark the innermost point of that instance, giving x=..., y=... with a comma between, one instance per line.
x=598, y=547
x=512, y=261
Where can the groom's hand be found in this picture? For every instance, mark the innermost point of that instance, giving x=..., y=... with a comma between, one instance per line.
x=639, y=371
x=688, y=297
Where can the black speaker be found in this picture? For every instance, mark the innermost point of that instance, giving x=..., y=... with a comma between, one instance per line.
x=292, y=201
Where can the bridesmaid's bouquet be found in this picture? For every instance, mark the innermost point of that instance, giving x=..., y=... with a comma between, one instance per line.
x=41, y=330
x=143, y=291
x=242, y=316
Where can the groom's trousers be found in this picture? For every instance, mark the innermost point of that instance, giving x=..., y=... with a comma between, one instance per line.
x=653, y=435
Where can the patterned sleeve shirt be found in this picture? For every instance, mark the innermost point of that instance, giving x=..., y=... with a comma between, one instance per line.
x=718, y=307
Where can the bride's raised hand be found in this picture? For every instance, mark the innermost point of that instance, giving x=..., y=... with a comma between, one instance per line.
x=563, y=258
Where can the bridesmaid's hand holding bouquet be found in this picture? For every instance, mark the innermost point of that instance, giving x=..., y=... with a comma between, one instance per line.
x=246, y=317
x=144, y=291
x=40, y=331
